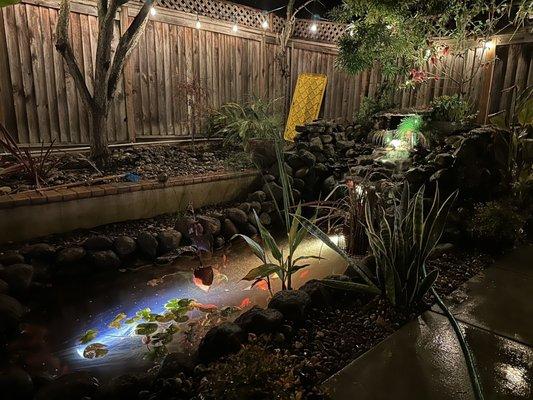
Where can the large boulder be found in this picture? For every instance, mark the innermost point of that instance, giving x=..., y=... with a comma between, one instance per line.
x=147, y=245
x=122, y=387
x=11, y=313
x=169, y=240
x=317, y=292
x=18, y=276
x=307, y=158
x=258, y=320
x=97, y=243
x=75, y=386
x=293, y=304
x=70, y=256
x=258, y=196
x=125, y=246
x=15, y=384
x=221, y=340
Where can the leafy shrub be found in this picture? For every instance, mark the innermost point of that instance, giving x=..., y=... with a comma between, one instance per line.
x=496, y=225
x=451, y=109
x=373, y=105
x=239, y=123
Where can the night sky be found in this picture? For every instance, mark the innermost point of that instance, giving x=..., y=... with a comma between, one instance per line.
x=316, y=8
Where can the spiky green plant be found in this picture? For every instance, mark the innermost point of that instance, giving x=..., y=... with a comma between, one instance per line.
x=274, y=259
x=410, y=130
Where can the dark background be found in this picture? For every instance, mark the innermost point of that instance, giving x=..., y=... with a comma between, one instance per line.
x=315, y=8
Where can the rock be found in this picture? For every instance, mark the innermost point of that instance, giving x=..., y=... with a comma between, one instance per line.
x=221, y=340
x=292, y=304
x=316, y=144
x=268, y=206
x=75, y=386
x=265, y=219
x=245, y=207
x=147, y=244
x=16, y=384
x=344, y=145
x=42, y=251
x=229, y=229
x=295, y=161
x=97, y=243
x=317, y=292
x=123, y=387
x=169, y=240
x=4, y=287
x=5, y=190
x=255, y=206
x=18, y=276
x=274, y=191
x=236, y=216
x=441, y=248
x=417, y=176
x=11, y=257
x=329, y=150
x=328, y=185
x=327, y=139
x=124, y=246
x=184, y=224
x=258, y=320
x=296, y=184
x=105, y=259
x=259, y=196
x=173, y=364
x=444, y=160
x=211, y=225
x=301, y=173
x=249, y=229
x=70, y=256
x=219, y=242
x=162, y=177
x=11, y=313
x=308, y=158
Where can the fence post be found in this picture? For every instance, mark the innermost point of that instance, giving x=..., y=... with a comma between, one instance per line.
x=127, y=75
x=486, y=84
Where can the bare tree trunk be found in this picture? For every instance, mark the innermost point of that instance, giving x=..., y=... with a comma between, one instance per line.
x=108, y=69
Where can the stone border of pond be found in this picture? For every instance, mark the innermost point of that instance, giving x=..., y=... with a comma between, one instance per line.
x=32, y=214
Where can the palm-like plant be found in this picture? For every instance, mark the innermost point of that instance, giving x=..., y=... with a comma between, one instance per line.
x=239, y=123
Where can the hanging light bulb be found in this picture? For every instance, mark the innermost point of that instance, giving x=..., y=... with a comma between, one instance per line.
x=153, y=11
x=489, y=44
x=198, y=23
x=264, y=24
x=235, y=27
x=313, y=27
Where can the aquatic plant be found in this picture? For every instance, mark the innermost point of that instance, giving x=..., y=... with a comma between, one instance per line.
x=274, y=260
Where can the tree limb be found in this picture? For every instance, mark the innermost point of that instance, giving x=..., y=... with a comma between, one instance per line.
x=64, y=48
x=126, y=43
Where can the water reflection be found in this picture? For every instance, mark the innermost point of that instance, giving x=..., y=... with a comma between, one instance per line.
x=83, y=305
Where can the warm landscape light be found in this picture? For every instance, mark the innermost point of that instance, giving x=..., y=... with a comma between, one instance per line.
x=153, y=11
x=489, y=44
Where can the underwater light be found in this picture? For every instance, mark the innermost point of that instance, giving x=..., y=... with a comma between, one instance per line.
x=396, y=143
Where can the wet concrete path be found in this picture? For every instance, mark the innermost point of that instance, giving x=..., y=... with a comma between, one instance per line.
x=423, y=360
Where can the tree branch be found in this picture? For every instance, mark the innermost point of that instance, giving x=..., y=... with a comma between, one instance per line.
x=126, y=43
x=64, y=48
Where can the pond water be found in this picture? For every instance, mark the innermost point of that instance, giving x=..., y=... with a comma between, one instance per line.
x=72, y=308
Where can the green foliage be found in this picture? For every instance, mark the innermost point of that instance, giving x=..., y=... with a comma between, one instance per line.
x=451, y=109
x=5, y=3
x=410, y=131
x=274, y=260
x=95, y=350
x=496, y=225
x=89, y=336
x=239, y=123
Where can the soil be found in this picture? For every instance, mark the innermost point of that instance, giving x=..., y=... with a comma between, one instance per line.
x=147, y=162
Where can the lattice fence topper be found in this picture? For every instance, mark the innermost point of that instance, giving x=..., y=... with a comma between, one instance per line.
x=253, y=18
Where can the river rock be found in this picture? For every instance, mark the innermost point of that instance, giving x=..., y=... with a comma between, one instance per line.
x=105, y=259
x=444, y=160
x=316, y=144
x=211, y=225
x=318, y=293
x=75, y=386
x=42, y=251
x=255, y=206
x=173, y=364
x=18, y=276
x=97, y=243
x=236, y=216
x=265, y=219
x=229, y=229
x=274, y=191
x=184, y=224
x=249, y=229
x=11, y=257
x=308, y=158
x=292, y=304
x=147, y=244
x=124, y=246
x=11, y=312
x=169, y=240
x=16, y=384
x=221, y=340
x=123, y=387
x=4, y=287
x=245, y=207
x=258, y=320
x=268, y=206
x=70, y=256
x=259, y=196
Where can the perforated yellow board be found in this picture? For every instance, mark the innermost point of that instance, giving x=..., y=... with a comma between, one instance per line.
x=306, y=102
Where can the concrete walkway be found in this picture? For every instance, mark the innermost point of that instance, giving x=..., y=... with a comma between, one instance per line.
x=423, y=360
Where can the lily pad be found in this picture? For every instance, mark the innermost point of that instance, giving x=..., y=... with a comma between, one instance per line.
x=95, y=350
x=117, y=321
x=146, y=328
x=88, y=336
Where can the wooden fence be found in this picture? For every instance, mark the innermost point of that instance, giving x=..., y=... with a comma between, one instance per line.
x=39, y=102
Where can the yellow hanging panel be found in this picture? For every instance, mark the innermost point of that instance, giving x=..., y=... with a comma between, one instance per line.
x=306, y=102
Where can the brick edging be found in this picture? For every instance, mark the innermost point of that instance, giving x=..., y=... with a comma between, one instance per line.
x=83, y=192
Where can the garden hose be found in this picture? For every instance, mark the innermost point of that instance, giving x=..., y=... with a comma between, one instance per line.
x=469, y=357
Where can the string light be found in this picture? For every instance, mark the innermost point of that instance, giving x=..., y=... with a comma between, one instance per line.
x=235, y=27
x=264, y=24
x=198, y=23
x=489, y=44
x=314, y=27
x=153, y=11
